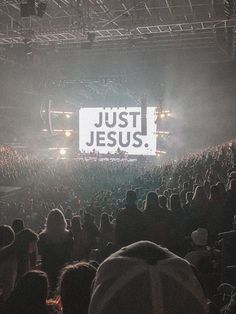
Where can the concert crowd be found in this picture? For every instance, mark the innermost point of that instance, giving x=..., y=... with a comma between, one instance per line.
x=109, y=237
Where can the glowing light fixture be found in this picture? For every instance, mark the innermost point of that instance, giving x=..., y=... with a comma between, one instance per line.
x=68, y=133
x=62, y=151
x=160, y=152
x=162, y=115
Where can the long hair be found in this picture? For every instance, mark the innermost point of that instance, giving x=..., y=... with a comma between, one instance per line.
x=105, y=224
x=18, y=225
x=175, y=202
x=7, y=235
x=56, y=223
x=152, y=201
x=76, y=227
x=215, y=193
x=23, y=239
x=200, y=195
x=20, y=246
x=29, y=295
x=75, y=287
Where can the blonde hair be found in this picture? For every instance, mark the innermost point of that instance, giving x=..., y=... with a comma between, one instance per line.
x=56, y=221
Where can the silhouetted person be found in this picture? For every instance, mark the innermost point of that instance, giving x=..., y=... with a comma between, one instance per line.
x=178, y=223
x=130, y=224
x=163, y=202
x=55, y=246
x=156, y=219
x=216, y=213
x=78, y=250
x=75, y=287
x=16, y=259
x=91, y=233
x=29, y=295
x=186, y=207
x=7, y=235
x=106, y=231
x=199, y=208
x=184, y=192
x=18, y=225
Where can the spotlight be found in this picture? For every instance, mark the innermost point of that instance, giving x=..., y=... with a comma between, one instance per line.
x=68, y=115
x=68, y=133
x=62, y=151
x=162, y=115
x=160, y=152
x=158, y=155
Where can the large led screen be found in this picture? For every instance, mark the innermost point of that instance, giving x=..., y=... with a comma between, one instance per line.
x=109, y=130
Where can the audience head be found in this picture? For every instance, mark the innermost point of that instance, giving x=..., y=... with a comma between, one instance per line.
x=199, y=194
x=163, y=201
x=189, y=197
x=30, y=293
x=87, y=218
x=146, y=278
x=56, y=222
x=76, y=224
x=199, y=237
x=7, y=235
x=152, y=200
x=185, y=185
x=18, y=225
x=221, y=188
x=232, y=185
x=26, y=241
x=232, y=175
x=215, y=193
x=131, y=198
x=175, y=202
x=105, y=221
x=75, y=287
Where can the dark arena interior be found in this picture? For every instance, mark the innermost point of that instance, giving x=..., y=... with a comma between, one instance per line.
x=117, y=157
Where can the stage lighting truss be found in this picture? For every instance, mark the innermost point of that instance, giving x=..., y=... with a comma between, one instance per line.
x=62, y=151
x=160, y=153
x=66, y=113
x=162, y=113
x=162, y=133
x=67, y=133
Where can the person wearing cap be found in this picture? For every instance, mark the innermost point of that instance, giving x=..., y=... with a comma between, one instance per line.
x=200, y=249
x=144, y=278
x=130, y=223
x=204, y=258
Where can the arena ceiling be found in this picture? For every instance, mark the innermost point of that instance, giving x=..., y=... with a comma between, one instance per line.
x=165, y=33
x=146, y=24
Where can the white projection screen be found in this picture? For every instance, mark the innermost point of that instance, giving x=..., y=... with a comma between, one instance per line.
x=106, y=130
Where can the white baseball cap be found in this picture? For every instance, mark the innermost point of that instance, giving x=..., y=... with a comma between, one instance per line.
x=144, y=278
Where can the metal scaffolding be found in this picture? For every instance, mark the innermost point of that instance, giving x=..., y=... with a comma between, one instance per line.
x=71, y=20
